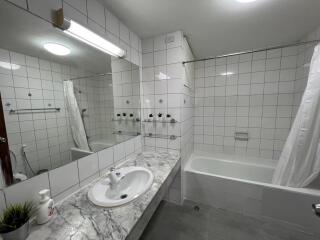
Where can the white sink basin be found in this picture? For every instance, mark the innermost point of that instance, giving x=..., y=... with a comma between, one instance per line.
x=132, y=183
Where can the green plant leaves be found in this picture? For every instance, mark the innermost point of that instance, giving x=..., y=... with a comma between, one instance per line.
x=15, y=216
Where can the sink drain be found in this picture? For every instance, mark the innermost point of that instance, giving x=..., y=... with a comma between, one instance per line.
x=123, y=196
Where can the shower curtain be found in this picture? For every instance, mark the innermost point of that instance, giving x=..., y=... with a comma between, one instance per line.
x=77, y=128
x=299, y=163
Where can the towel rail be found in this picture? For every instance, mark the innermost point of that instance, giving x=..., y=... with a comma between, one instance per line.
x=24, y=110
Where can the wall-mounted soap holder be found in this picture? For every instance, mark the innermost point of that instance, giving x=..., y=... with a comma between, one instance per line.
x=162, y=118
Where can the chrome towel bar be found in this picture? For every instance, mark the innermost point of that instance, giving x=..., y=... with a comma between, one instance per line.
x=24, y=110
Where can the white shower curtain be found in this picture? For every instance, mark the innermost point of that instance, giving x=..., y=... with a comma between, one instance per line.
x=77, y=128
x=299, y=163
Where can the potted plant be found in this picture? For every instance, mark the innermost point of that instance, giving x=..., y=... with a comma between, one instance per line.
x=14, y=222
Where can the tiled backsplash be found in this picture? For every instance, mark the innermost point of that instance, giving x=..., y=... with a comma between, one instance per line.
x=64, y=180
x=254, y=93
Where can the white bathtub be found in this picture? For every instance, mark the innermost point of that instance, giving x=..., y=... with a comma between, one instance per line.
x=244, y=185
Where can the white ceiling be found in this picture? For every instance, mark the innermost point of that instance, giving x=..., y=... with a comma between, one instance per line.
x=221, y=26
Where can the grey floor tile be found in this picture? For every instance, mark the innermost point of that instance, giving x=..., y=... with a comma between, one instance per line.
x=174, y=222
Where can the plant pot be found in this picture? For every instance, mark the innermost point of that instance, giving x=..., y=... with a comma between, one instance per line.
x=19, y=234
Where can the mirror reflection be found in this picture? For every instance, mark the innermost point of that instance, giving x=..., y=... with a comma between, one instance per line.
x=61, y=98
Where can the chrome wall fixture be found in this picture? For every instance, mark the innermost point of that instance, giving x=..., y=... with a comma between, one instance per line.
x=254, y=51
x=26, y=110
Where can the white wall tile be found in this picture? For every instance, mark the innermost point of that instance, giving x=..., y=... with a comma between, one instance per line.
x=80, y=5
x=147, y=45
x=44, y=8
x=27, y=190
x=74, y=14
x=147, y=60
x=96, y=12
x=124, y=33
x=159, y=58
x=174, y=55
x=63, y=178
x=129, y=147
x=20, y=3
x=160, y=43
x=137, y=143
x=177, y=37
x=105, y=158
x=113, y=24
x=88, y=166
x=260, y=91
x=119, y=152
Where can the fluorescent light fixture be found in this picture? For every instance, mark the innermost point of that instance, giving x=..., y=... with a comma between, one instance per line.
x=85, y=35
x=227, y=73
x=56, y=49
x=10, y=66
x=246, y=1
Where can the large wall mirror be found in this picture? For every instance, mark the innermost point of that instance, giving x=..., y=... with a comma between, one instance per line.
x=61, y=98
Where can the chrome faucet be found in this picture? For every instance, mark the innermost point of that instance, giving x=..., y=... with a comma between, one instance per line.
x=316, y=209
x=114, y=177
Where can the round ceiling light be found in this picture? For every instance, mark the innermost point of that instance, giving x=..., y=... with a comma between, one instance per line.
x=246, y=1
x=56, y=49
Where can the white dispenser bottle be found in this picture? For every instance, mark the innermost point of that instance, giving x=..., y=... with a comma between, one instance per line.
x=46, y=207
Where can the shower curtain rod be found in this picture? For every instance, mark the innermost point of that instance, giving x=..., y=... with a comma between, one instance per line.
x=253, y=51
x=95, y=75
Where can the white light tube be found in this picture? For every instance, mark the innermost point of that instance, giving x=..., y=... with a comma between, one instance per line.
x=83, y=34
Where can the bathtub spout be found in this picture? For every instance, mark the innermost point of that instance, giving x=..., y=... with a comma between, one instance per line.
x=316, y=209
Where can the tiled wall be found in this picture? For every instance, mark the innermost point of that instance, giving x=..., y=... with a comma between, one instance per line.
x=166, y=89
x=91, y=14
x=255, y=93
x=95, y=95
x=67, y=179
x=126, y=91
x=36, y=84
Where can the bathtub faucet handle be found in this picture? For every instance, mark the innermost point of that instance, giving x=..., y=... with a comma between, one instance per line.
x=316, y=209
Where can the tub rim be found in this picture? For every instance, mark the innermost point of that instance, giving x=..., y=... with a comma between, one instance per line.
x=188, y=168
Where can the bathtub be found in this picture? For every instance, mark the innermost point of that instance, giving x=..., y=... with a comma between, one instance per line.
x=97, y=144
x=105, y=141
x=243, y=184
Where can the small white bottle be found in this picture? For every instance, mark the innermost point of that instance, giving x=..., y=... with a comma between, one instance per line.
x=46, y=207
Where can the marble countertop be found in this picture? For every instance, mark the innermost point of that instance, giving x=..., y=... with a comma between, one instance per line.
x=77, y=218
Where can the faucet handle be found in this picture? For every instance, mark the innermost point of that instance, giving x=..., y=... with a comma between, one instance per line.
x=113, y=169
